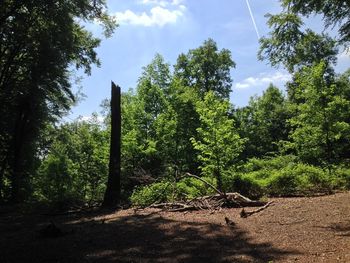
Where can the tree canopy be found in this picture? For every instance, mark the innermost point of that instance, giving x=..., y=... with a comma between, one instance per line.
x=39, y=41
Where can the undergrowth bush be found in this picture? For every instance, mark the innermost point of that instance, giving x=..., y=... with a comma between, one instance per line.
x=269, y=164
x=301, y=179
x=146, y=195
x=341, y=179
x=189, y=188
x=245, y=185
x=167, y=191
x=279, y=176
x=283, y=176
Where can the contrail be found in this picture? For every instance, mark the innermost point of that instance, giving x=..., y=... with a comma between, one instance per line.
x=251, y=15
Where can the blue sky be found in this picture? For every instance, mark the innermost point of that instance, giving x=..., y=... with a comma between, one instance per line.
x=171, y=27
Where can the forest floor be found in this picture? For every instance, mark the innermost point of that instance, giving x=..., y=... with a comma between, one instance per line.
x=315, y=229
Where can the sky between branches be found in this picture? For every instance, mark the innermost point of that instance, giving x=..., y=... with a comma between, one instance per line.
x=171, y=27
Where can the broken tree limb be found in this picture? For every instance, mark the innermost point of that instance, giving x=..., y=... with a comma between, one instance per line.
x=245, y=214
x=174, y=207
x=209, y=184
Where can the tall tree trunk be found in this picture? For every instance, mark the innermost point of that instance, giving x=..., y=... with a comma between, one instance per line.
x=16, y=169
x=112, y=194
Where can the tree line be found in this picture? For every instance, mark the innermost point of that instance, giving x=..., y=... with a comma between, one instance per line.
x=178, y=119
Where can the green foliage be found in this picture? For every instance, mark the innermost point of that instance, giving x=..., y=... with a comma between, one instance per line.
x=189, y=188
x=218, y=142
x=341, y=179
x=76, y=165
x=40, y=41
x=265, y=116
x=321, y=122
x=148, y=121
x=167, y=191
x=288, y=45
x=281, y=176
x=245, y=185
x=206, y=69
x=298, y=180
x=147, y=195
x=275, y=163
x=174, y=122
x=334, y=12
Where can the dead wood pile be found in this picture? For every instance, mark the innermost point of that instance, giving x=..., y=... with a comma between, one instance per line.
x=212, y=202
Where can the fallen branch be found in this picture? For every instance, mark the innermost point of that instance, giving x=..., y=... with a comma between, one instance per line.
x=174, y=207
x=245, y=214
x=210, y=202
x=209, y=184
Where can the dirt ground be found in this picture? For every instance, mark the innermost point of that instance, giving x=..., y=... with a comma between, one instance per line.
x=313, y=229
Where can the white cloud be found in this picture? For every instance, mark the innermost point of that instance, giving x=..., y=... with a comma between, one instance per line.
x=155, y=2
x=177, y=2
x=277, y=77
x=162, y=3
x=345, y=55
x=91, y=118
x=159, y=15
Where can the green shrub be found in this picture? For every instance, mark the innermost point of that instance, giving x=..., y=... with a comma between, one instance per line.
x=284, y=183
x=185, y=189
x=146, y=195
x=246, y=185
x=341, y=179
x=189, y=188
x=301, y=179
x=275, y=163
x=281, y=176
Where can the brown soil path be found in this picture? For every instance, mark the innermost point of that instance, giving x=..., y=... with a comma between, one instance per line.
x=292, y=230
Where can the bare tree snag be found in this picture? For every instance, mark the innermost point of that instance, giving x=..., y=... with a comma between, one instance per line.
x=112, y=194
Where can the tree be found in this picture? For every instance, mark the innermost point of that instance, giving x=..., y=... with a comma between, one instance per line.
x=218, y=142
x=183, y=101
x=264, y=123
x=317, y=103
x=147, y=121
x=39, y=41
x=288, y=45
x=335, y=13
x=206, y=69
x=321, y=121
x=74, y=163
x=157, y=73
x=112, y=194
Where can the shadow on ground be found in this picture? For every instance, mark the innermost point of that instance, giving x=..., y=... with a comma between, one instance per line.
x=342, y=229
x=131, y=238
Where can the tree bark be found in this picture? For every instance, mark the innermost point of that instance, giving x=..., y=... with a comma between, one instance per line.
x=16, y=170
x=112, y=194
